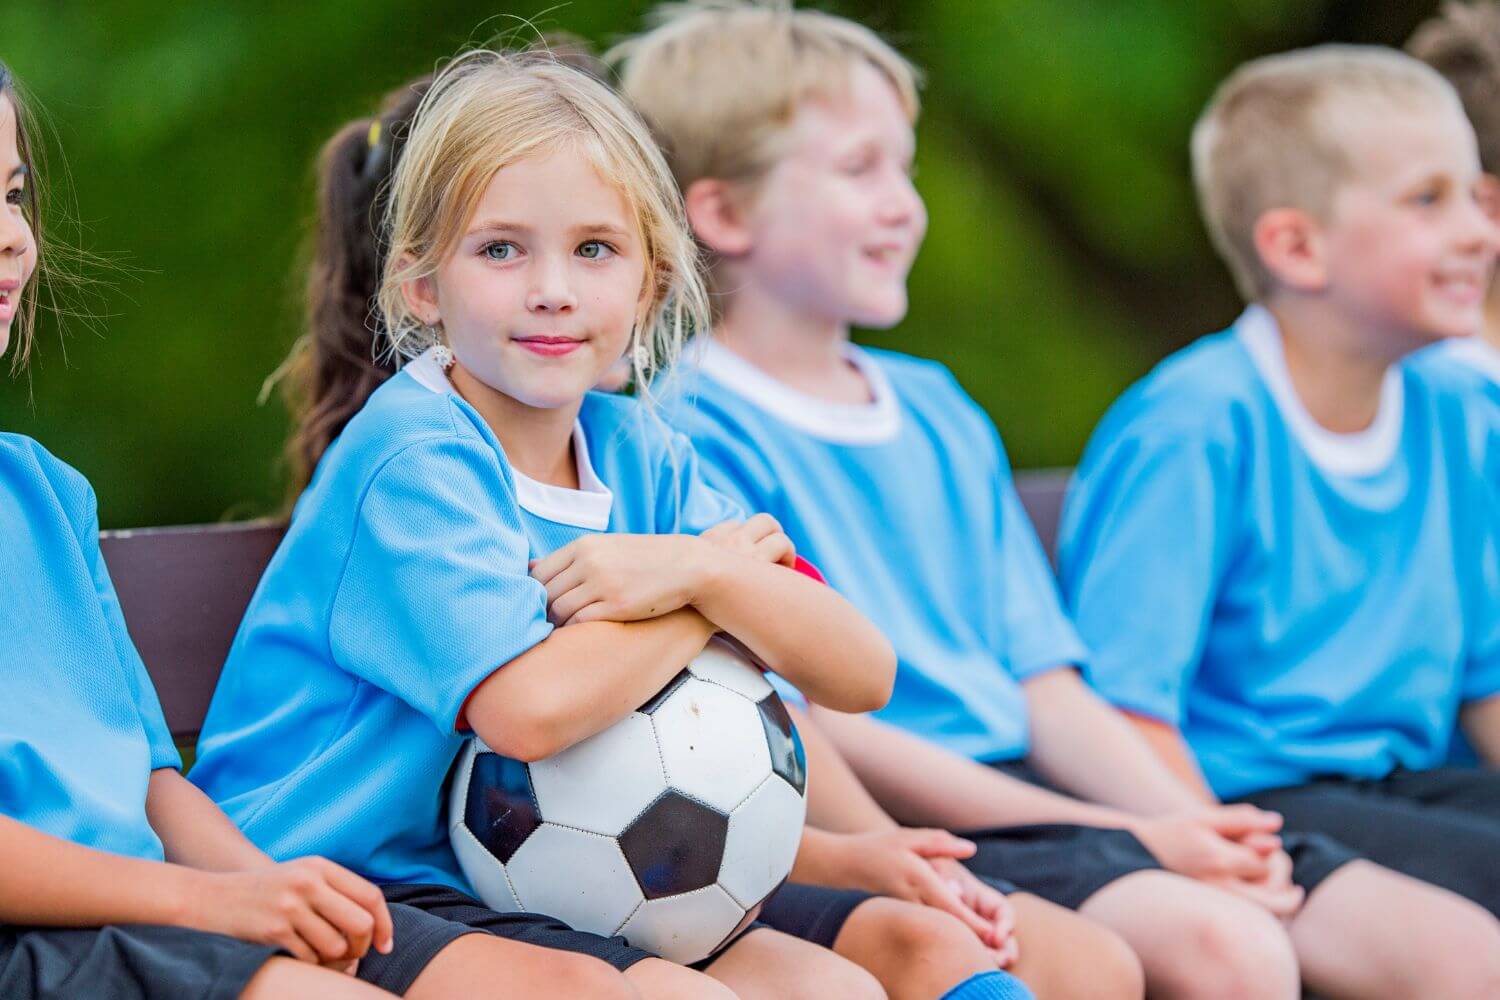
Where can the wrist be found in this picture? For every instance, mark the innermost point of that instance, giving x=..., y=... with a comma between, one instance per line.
x=186, y=897
x=708, y=572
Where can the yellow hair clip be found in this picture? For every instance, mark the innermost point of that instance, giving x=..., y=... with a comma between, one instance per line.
x=374, y=137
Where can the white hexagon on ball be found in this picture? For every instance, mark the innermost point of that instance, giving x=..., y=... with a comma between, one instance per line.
x=761, y=845
x=722, y=664
x=602, y=783
x=548, y=874
x=712, y=743
x=684, y=928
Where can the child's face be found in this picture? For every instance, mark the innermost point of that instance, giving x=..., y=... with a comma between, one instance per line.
x=17, y=249
x=836, y=223
x=1409, y=250
x=545, y=285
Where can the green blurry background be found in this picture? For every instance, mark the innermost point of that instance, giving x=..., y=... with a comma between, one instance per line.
x=1064, y=257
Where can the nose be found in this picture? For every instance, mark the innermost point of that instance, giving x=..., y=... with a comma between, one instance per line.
x=901, y=205
x=1480, y=231
x=552, y=288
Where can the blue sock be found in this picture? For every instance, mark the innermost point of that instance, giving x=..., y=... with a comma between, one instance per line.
x=990, y=986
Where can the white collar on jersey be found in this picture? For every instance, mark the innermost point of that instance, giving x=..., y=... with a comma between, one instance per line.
x=1477, y=353
x=842, y=423
x=1362, y=453
x=586, y=507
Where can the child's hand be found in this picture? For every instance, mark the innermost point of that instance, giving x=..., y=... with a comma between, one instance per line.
x=1276, y=892
x=621, y=578
x=1216, y=842
x=761, y=537
x=987, y=903
x=316, y=910
x=909, y=864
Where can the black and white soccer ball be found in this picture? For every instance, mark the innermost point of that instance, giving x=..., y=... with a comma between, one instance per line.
x=670, y=828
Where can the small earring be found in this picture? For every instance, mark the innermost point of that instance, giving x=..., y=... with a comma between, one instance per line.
x=443, y=356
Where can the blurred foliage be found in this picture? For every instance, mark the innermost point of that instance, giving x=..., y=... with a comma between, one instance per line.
x=1064, y=257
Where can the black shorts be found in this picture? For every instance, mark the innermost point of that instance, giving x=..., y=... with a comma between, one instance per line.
x=1441, y=826
x=1066, y=863
x=437, y=915
x=124, y=962
x=811, y=912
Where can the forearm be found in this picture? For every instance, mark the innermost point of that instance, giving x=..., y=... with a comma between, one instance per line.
x=1082, y=744
x=801, y=629
x=580, y=680
x=1481, y=723
x=836, y=800
x=194, y=831
x=48, y=881
x=921, y=783
x=818, y=859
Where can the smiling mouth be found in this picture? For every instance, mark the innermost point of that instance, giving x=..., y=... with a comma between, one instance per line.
x=549, y=346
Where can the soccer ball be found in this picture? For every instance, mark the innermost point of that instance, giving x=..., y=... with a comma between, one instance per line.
x=670, y=828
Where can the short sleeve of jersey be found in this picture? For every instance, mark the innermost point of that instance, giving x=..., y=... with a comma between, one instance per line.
x=1482, y=676
x=699, y=505
x=1141, y=540
x=435, y=593
x=148, y=706
x=1038, y=633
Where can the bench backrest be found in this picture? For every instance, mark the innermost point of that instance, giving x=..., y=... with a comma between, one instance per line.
x=184, y=591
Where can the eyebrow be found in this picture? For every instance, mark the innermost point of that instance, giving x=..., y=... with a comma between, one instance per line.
x=499, y=226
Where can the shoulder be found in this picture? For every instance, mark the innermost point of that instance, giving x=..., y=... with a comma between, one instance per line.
x=1200, y=393
x=406, y=420
x=35, y=469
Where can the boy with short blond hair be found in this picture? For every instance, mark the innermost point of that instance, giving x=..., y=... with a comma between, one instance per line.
x=894, y=482
x=1275, y=545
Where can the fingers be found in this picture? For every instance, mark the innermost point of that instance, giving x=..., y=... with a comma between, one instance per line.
x=776, y=549
x=543, y=570
x=352, y=921
x=594, y=611
x=1262, y=843
x=1241, y=820
x=369, y=897
x=565, y=606
x=939, y=844
x=328, y=945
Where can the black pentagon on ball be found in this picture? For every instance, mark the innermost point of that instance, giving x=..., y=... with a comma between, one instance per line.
x=658, y=699
x=787, y=756
x=501, y=810
x=675, y=846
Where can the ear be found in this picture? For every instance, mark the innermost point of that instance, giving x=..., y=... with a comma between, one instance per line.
x=1290, y=245
x=420, y=295
x=1487, y=194
x=715, y=210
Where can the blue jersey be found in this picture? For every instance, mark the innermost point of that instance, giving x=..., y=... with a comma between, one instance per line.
x=907, y=506
x=400, y=586
x=82, y=729
x=1299, y=603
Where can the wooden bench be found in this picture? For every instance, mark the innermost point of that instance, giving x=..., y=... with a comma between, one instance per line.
x=184, y=591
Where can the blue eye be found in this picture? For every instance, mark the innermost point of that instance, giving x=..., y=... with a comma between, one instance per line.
x=595, y=250
x=498, y=250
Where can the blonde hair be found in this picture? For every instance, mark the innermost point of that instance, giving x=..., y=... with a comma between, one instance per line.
x=489, y=109
x=720, y=80
x=1463, y=44
x=1269, y=139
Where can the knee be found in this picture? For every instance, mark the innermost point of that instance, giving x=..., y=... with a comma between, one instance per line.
x=1114, y=969
x=1243, y=954
x=921, y=934
x=581, y=976
x=1462, y=957
x=837, y=980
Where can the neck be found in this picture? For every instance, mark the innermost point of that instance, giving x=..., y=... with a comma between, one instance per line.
x=1336, y=369
x=537, y=442
x=794, y=347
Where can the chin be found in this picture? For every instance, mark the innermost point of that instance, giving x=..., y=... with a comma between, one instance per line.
x=878, y=316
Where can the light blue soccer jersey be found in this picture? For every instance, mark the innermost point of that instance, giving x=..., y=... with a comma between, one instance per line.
x=82, y=727
x=1300, y=603
x=906, y=505
x=400, y=586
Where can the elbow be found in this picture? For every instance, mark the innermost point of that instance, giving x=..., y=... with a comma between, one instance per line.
x=875, y=678
x=527, y=737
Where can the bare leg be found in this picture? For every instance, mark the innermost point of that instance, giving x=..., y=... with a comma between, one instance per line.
x=1370, y=933
x=658, y=979
x=1197, y=941
x=288, y=979
x=915, y=951
x=1064, y=955
x=482, y=965
x=769, y=965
